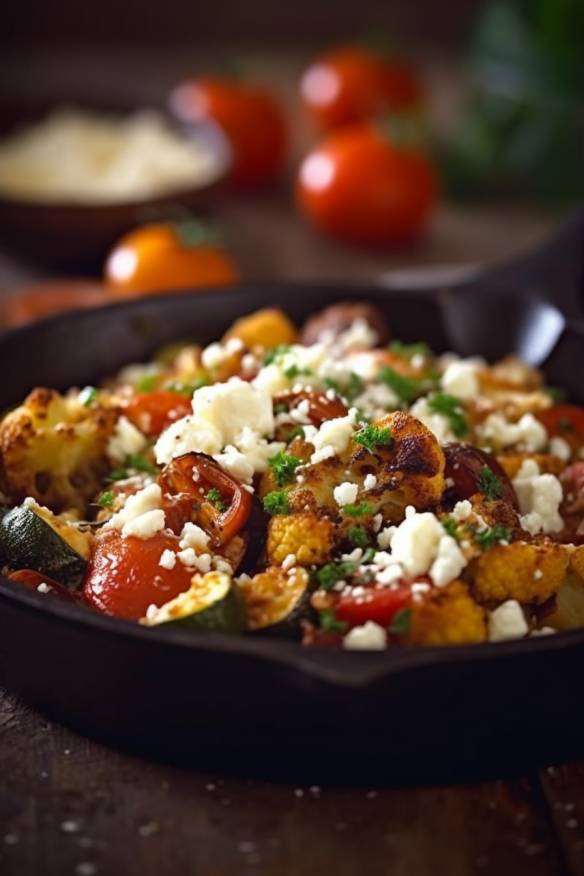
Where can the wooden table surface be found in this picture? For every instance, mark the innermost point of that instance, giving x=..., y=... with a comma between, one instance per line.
x=71, y=806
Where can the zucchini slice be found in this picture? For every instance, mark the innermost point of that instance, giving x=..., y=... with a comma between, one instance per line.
x=211, y=603
x=32, y=537
x=276, y=601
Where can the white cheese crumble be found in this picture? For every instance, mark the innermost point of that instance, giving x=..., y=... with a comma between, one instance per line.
x=368, y=637
x=385, y=536
x=345, y=493
x=192, y=536
x=507, y=621
x=333, y=436
x=462, y=510
x=460, y=379
x=167, y=559
x=421, y=546
x=528, y=433
x=370, y=482
x=141, y=515
x=43, y=587
x=559, y=447
x=289, y=561
x=217, y=354
x=436, y=423
x=125, y=441
x=539, y=496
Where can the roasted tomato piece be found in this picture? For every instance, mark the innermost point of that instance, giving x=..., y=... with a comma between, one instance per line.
x=337, y=318
x=379, y=604
x=152, y=412
x=33, y=580
x=124, y=575
x=320, y=408
x=465, y=466
x=564, y=421
x=572, y=480
x=195, y=475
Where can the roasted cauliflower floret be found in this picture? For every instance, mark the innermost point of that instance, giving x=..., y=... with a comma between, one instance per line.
x=521, y=571
x=53, y=448
x=548, y=464
x=265, y=328
x=447, y=616
x=308, y=537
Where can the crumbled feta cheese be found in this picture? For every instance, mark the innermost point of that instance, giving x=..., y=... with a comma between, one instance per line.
x=449, y=562
x=345, y=493
x=543, y=631
x=507, y=621
x=359, y=336
x=141, y=515
x=385, y=536
x=194, y=537
x=436, y=423
x=333, y=436
x=377, y=522
x=235, y=463
x=370, y=482
x=125, y=441
x=368, y=637
x=376, y=400
x=289, y=561
x=462, y=510
x=167, y=559
x=559, y=447
x=460, y=379
x=43, y=587
x=191, y=560
x=528, y=433
x=539, y=496
x=421, y=546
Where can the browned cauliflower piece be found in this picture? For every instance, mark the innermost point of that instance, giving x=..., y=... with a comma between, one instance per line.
x=52, y=448
x=577, y=562
x=273, y=595
x=548, y=464
x=447, y=616
x=529, y=573
x=308, y=537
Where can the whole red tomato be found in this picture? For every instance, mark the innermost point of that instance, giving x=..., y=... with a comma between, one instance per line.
x=250, y=117
x=360, y=187
x=352, y=84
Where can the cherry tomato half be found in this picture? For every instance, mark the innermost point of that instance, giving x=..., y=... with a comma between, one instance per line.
x=359, y=187
x=153, y=411
x=380, y=604
x=565, y=421
x=124, y=575
x=352, y=84
x=249, y=116
x=33, y=580
x=166, y=258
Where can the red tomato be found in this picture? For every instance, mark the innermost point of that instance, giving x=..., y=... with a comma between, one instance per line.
x=32, y=580
x=124, y=575
x=152, y=412
x=567, y=421
x=361, y=188
x=249, y=116
x=352, y=84
x=380, y=605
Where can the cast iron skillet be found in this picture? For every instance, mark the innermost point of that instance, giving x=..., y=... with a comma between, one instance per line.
x=262, y=705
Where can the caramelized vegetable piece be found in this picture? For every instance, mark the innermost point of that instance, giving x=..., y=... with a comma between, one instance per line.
x=320, y=408
x=194, y=475
x=152, y=412
x=35, y=581
x=475, y=471
x=124, y=575
x=340, y=317
x=266, y=328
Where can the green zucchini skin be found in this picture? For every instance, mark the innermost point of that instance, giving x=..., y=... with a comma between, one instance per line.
x=222, y=608
x=226, y=616
x=29, y=542
x=290, y=626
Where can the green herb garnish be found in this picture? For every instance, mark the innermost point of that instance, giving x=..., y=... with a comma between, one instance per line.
x=146, y=383
x=450, y=526
x=216, y=499
x=328, y=575
x=371, y=436
x=490, y=537
x=106, y=500
x=408, y=351
x=187, y=389
x=276, y=354
x=451, y=408
x=401, y=622
x=348, y=389
x=135, y=462
x=358, y=536
x=329, y=622
x=489, y=484
x=405, y=388
x=295, y=371
x=88, y=395
x=359, y=510
x=276, y=502
x=296, y=432
x=283, y=466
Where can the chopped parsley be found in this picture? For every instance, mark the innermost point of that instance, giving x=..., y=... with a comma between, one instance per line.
x=358, y=536
x=451, y=408
x=401, y=622
x=328, y=575
x=283, y=466
x=489, y=484
x=490, y=537
x=450, y=526
x=281, y=408
x=408, y=351
x=276, y=354
x=405, y=388
x=216, y=499
x=135, y=462
x=187, y=388
x=276, y=502
x=88, y=395
x=359, y=510
x=146, y=383
x=348, y=389
x=106, y=500
x=296, y=432
x=295, y=371
x=329, y=622
x=371, y=436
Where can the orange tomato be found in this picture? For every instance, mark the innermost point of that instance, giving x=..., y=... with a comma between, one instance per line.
x=153, y=411
x=360, y=187
x=166, y=258
x=249, y=116
x=352, y=84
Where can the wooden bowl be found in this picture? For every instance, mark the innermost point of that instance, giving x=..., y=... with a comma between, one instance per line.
x=69, y=235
